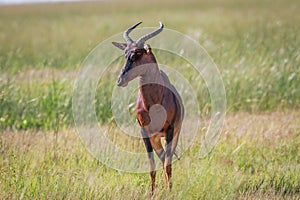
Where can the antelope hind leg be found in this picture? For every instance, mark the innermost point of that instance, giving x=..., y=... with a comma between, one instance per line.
x=168, y=156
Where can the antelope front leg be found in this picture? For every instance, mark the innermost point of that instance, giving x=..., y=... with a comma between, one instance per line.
x=151, y=159
x=168, y=157
x=152, y=172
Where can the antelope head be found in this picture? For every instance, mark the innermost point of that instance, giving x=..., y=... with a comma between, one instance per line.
x=138, y=56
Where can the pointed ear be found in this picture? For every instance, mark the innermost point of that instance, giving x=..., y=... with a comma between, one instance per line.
x=120, y=45
x=147, y=48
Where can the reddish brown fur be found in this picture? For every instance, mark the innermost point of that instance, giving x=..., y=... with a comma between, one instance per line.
x=156, y=93
x=149, y=95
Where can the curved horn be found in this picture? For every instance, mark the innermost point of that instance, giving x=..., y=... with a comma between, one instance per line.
x=126, y=33
x=140, y=42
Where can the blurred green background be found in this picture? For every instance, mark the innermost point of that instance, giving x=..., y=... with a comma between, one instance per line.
x=256, y=46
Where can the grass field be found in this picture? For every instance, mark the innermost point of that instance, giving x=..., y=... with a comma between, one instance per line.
x=254, y=159
x=256, y=46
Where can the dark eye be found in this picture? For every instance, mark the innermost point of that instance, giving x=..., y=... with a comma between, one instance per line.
x=132, y=57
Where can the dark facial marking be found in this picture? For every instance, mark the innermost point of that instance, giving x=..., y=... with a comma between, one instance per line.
x=131, y=55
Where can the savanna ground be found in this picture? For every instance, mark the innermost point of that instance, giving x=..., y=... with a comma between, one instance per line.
x=255, y=45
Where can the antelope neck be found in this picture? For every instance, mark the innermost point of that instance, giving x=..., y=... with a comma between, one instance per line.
x=151, y=86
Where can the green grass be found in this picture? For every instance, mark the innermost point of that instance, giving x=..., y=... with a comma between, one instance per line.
x=262, y=161
x=256, y=46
